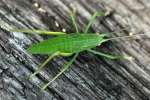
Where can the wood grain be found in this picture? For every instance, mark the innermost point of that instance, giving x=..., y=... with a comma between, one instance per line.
x=90, y=77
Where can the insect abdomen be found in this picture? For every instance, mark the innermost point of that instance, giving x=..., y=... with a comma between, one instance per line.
x=70, y=43
x=77, y=43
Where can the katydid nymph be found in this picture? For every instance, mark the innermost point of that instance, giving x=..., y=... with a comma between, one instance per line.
x=69, y=44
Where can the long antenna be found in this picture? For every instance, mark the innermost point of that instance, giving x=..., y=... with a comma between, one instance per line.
x=121, y=37
x=119, y=31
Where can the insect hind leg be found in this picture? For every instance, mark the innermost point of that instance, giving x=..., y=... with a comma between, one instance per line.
x=61, y=72
x=43, y=65
x=42, y=32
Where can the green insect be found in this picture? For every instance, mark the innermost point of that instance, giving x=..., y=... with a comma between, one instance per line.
x=69, y=44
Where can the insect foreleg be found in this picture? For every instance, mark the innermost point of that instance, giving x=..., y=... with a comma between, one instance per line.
x=43, y=64
x=108, y=55
x=61, y=72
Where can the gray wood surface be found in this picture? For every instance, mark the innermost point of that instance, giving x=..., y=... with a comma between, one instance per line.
x=90, y=77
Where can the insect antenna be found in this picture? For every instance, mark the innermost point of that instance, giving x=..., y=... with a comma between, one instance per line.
x=129, y=36
x=119, y=30
x=112, y=56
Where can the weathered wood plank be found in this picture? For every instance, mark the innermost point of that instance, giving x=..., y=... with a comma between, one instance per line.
x=90, y=77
